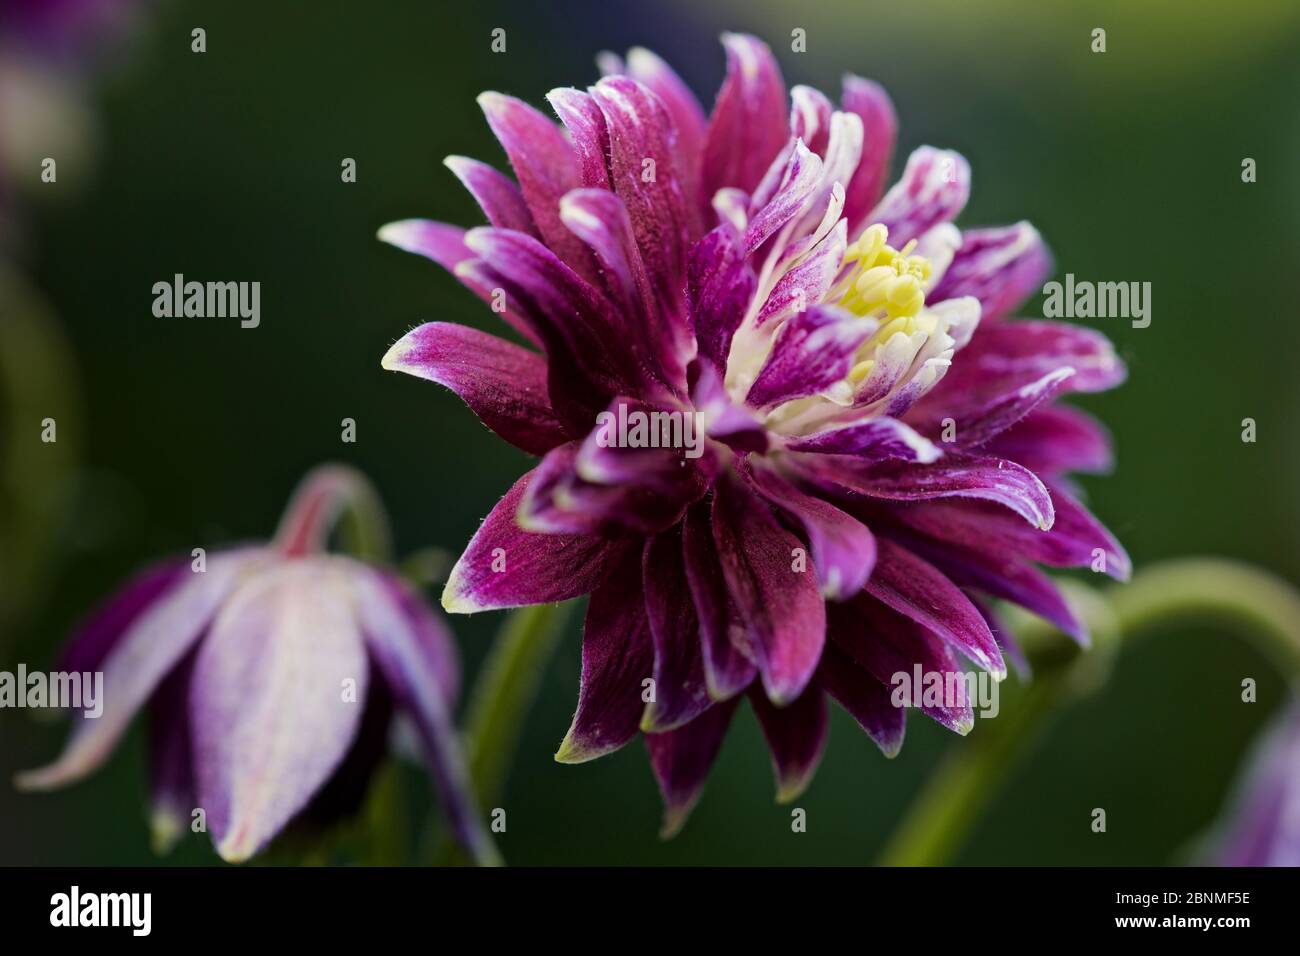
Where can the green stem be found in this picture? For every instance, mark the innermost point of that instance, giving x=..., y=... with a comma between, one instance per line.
x=1189, y=591
x=503, y=694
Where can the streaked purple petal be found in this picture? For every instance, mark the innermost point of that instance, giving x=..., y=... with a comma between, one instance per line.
x=99, y=632
x=813, y=351
x=810, y=117
x=504, y=384
x=780, y=603
x=720, y=284
x=587, y=132
x=721, y=418
x=617, y=657
x=915, y=588
x=885, y=644
x=1056, y=439
x=546, y=167
x=800, y=178
x=877, y=437
x=748, y=126
x=1000, y=266
x=505, y=566
x=953, y=476
x=807, y=282
x=987, y=421
x=843, y=550
x=933, y=189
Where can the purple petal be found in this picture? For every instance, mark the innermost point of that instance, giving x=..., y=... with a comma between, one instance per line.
x=877, y=437
x=796, y=737
x=843, y=550
x=813, y=351
x=915, y=588
x=546, y=168
x=954, y=476
x=990, y=530
x=720, y=284
x=879, y=130
x=145, y=654
x=681, y=692
x=97, y=635
x=505, y=566
x=445, y=245
x=808, y=280
x=800, y=178
x=727, y=670
x=864, y=697
x=721, y=418
x=270, y=717
x=780, y=605
x=640, y=131
x=1056, y=439
x=933, y=189
x=681, y=760
x=885, y=643
x=171, y=765
x=748, y=126
x=412, y=650
x=600, y=219
x=688, y=122
x=810, y=117
x=1001, y=267
x=495, y=192
x=504, y=384
x=987, y=421
x=617, y=657
x=587, y=132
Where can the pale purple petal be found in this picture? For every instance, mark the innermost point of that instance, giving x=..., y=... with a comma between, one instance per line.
x=495, y=192
x=812, y=352
x=933, y=189
x=1001, y=267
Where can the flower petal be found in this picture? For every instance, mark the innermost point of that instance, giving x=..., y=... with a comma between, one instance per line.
x=585, y=124
x=102, y=629
x=546, y=167
x=681, y=692
x=720, y=284
x=271, y=719
x=987, y=421
x=801, y=176
x=954, y=476
x=812, y=352
x=414, y=652
x=504, y=384
x=808, y=280
x=145, y=654
x=796, y=737
x=915, y=588
x=496, y=193
x=885, y=644
x=727, y=669
x=617, y=657
x=171, y=764
x=505, y=566
x=843, y=550
x=933, y=189
x=864, y=697
x=1056, y=439
x=879, y=130
x=1001, y=267
x=748, y=126
x=681, y=760
x=876, y=437
x=781, y=606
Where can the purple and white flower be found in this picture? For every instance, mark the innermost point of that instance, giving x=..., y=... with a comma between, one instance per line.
x=883, y=453
x=270, y=673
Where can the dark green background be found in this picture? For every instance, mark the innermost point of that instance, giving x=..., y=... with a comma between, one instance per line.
x=226, y=166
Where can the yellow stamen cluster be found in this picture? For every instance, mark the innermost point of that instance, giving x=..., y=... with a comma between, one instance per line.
x=886, y=283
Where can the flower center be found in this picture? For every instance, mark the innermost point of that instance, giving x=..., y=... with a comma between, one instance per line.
x=887, y=284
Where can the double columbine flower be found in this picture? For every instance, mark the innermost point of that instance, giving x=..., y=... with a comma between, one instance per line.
x=865, y=402
x=271, y=673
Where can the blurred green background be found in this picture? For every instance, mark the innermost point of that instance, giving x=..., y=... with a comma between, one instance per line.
x=193, y=432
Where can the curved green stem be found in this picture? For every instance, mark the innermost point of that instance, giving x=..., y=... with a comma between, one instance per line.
x=503, y=694
x=1189, y=591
